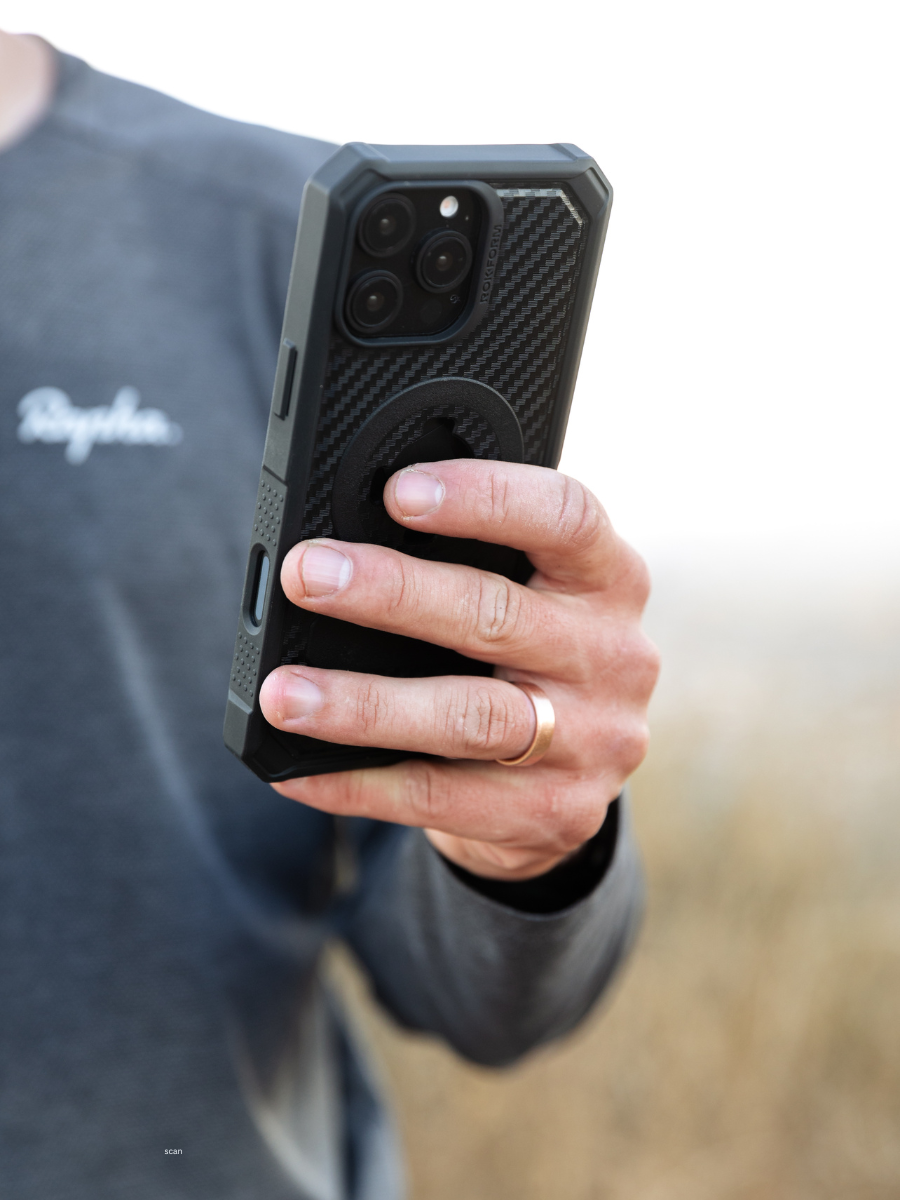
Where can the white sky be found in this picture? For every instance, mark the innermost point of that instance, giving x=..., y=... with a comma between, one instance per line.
x=739, y=388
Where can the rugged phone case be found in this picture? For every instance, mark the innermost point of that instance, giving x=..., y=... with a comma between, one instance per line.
x=345, y=410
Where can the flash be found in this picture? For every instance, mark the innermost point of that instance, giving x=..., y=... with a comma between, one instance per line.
x=449, y=206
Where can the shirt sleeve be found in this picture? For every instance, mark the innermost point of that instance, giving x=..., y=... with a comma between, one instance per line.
x=491, y=979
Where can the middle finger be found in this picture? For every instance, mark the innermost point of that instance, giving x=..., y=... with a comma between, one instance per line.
x=476, y=613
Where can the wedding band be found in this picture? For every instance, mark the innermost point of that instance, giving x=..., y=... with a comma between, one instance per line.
x=544, y=724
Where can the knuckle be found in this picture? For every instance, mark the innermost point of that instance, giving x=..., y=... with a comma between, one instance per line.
x=628, y=658
x=498, y=611
x=638, y=575
x=478, y=720
x=452, y=717
x=426, y=797
x=650, y=662
x=580, y=826
x=549, y=809
x=569, y=815
x=349, y=800
x=629, y=742
x=373, y=708
x=643, y=663
x=494, y=721
x=403, y=595
x=582, y=519
x=497, y=498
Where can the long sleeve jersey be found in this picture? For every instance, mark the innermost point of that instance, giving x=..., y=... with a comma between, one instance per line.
x=164, y=1031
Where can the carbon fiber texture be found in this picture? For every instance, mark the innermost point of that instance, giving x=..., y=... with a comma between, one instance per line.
x=517, y=349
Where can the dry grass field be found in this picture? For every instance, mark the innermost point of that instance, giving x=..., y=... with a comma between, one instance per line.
x=751, y=1050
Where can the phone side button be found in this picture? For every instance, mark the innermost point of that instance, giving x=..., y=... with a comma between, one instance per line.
x=258, y=599
x=284, y=382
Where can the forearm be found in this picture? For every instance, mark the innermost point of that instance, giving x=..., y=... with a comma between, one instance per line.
x=493, y=980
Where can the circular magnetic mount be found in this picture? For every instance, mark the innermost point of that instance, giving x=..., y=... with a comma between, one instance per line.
x=429, y=422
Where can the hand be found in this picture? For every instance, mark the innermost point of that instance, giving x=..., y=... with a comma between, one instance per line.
x=574, y=631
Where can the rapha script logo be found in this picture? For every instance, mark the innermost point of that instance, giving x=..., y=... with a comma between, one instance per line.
x=48, y=415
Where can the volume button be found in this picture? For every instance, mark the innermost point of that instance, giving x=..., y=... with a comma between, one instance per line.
x=284, y=381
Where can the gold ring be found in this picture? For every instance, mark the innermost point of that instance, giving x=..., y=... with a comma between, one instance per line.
x=544, y=724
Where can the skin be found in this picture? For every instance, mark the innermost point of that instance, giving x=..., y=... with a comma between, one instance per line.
x=574, y=630
x=27, y=79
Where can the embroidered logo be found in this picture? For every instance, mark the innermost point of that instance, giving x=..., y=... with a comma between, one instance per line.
x=48, y=415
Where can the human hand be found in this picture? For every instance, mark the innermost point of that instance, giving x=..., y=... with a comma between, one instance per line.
x=574, y=630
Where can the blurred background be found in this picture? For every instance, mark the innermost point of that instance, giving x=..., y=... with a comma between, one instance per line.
x=737, y=412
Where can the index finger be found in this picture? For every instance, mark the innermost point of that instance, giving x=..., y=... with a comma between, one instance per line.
x=556, y=520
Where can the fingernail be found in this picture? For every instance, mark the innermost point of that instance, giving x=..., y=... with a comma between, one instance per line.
x=417, y=492
x=300, y=697
x=323, y=570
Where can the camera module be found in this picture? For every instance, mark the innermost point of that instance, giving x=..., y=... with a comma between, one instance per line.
x=414, y=256
x=443, y=261
x=387, y=225
x=374, y=301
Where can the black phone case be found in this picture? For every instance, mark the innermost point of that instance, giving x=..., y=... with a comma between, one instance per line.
x=344, y=408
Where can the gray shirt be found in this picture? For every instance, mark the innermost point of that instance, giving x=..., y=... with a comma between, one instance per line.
x=162, y=912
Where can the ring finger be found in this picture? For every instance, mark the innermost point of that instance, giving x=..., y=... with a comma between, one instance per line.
x=455, y=716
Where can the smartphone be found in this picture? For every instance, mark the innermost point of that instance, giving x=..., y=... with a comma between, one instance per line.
x=437, y=306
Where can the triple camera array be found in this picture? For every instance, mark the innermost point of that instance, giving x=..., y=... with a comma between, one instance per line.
x=412, y=263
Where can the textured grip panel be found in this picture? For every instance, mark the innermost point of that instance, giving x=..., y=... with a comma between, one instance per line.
x=516, y=349
x=269, y=510
x=266, y=525
x=245, y=667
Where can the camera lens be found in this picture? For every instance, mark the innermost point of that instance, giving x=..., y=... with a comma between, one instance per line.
x=387, y=225
x=443, y=261
x=374, y=301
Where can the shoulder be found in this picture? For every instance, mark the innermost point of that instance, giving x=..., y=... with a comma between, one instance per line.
x=168, y=136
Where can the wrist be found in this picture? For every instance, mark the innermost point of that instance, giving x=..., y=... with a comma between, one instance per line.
x=574, y=877
x=500, y=863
